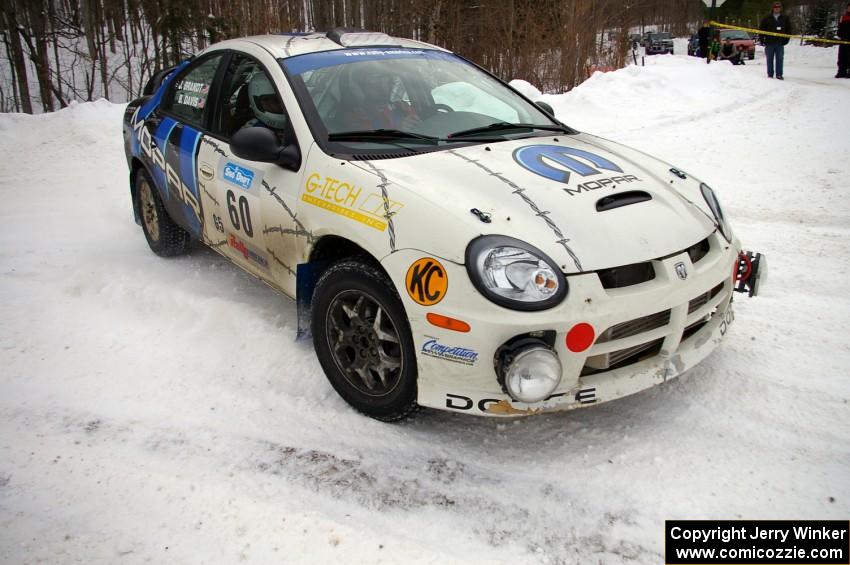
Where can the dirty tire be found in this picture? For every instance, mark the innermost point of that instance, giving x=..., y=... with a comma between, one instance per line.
x=363, y=340
x=164, y=236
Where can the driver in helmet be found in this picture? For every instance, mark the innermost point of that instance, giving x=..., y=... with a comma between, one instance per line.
x=264, y=102
x=376, y=109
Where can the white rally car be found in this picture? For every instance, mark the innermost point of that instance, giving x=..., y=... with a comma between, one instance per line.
x=448, y=242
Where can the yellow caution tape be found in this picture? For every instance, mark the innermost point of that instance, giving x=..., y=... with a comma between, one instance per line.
x=773, y=33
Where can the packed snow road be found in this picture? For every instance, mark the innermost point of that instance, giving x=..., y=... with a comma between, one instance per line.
x=160, y=410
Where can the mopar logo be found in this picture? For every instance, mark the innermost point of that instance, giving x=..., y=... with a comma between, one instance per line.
x=237, y=175
x=541, y=159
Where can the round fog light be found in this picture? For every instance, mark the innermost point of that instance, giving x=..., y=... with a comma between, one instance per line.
x=533, y=375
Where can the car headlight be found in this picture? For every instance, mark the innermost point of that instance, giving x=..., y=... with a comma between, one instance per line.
x=514, y=274
x=714, y=205
x=532, y=374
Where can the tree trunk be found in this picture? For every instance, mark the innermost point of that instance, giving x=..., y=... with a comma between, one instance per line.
x=39, y=57
x=16, y=55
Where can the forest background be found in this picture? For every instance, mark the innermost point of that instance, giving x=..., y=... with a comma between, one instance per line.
x=58, y=51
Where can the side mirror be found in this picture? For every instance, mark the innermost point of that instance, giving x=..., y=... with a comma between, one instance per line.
x=261, y=144
x=546, y=108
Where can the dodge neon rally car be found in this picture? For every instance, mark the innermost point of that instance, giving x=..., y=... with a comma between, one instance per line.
x=448, y=243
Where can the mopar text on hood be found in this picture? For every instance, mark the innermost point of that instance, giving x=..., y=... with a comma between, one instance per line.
x=553, y=192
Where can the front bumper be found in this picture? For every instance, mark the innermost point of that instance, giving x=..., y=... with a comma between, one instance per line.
x=672, y=324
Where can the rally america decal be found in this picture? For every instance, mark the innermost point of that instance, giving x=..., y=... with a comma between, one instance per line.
x=557, y=163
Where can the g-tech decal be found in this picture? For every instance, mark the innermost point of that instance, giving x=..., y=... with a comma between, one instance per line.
x=531, y=204
x=345, y=199
x=240, y=176
x=433, y=348
x=539, y=158
x=426, y=281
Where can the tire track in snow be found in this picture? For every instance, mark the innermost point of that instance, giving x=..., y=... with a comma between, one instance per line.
x=464, y=496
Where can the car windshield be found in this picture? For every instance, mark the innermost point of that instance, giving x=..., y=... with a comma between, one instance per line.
x=734, y=34
x=407, y=97
x=656, y=36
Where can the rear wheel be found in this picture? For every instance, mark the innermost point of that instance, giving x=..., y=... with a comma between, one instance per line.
x=363, y=340
x=164, y=236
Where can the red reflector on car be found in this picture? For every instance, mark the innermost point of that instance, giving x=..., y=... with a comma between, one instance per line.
x=448, y=323
x=580, y=337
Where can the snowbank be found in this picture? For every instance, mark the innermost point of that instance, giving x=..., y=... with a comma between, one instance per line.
x=159, y=410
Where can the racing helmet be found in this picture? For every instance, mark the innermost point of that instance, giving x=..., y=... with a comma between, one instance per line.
x=264, y=102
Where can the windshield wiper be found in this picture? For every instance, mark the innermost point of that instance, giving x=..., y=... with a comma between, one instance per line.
x=379, y=135
x=499, y=126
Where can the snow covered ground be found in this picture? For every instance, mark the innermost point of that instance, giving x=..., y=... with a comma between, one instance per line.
x=159, y=410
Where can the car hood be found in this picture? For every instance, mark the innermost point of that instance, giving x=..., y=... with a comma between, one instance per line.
x=553, y=192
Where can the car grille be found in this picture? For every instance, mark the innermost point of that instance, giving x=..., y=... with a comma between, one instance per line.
x=636, y=326
x=628, y=275
x=703, y=299
x=638, y=352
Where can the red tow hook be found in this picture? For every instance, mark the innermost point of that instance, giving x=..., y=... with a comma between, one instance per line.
x=750, y=272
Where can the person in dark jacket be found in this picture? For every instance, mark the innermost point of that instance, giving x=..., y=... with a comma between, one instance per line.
x=729, y=53
x=844, y=50
x=704, y=38
x=774, y=47
x=714, y=48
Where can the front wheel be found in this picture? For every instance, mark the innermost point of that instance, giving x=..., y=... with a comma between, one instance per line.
x=363, y=340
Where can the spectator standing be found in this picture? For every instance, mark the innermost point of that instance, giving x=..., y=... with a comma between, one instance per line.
x=703, y=37
x=774, y=47
x=844, y=50
x=714, y=48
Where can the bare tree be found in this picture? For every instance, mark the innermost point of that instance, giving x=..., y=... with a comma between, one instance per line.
x=79, y=49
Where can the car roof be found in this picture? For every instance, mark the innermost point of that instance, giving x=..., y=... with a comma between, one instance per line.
x=283, y=45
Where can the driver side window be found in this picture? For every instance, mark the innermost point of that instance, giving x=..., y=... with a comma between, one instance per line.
x=188, y=96
x=249, y=99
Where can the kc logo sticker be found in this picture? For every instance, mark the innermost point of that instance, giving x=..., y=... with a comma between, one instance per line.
x=426, y=281
x=541, y=160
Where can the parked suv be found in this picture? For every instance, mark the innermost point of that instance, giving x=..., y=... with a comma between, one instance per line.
x=657, y=43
